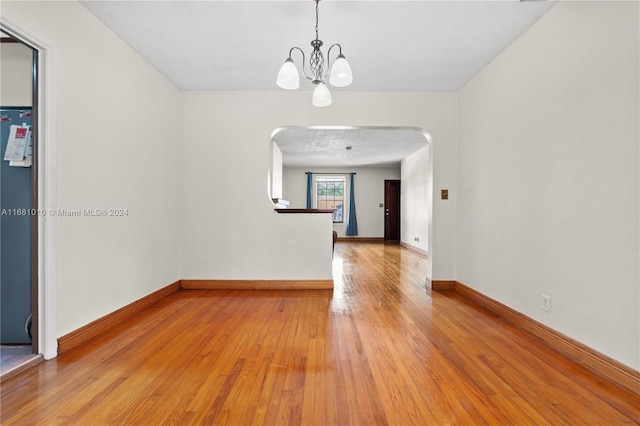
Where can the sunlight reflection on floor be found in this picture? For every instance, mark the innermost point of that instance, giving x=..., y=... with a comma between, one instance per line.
x=338, y=302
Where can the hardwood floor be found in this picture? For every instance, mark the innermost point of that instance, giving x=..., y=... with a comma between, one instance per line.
x=378, y=349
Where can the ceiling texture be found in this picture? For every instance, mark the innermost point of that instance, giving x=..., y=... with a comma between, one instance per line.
x=347, y=146
x=393, y=45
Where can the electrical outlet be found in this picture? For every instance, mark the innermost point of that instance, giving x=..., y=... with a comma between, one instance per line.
x=546, y=303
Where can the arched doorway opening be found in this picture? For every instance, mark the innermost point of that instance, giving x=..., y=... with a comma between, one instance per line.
x=375, y=154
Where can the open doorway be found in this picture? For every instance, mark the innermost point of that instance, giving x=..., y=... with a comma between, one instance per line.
x=373, y=155
x=19, y=198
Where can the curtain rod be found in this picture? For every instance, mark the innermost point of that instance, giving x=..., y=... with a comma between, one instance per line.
x=330, y=173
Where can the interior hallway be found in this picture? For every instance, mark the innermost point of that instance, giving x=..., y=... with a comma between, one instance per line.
x=379, y=349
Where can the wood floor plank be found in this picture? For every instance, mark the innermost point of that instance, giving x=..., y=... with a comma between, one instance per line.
x=380, y=349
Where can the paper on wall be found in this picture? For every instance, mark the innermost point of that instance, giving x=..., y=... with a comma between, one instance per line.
x=28, y=159
x=17, y=144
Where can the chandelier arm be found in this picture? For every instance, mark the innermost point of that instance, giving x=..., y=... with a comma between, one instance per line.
x=328, y=70
x=303, y=61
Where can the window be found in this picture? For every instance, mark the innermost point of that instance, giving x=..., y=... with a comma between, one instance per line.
x=330, y=195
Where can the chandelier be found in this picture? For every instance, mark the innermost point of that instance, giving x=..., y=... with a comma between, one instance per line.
x=340, y=75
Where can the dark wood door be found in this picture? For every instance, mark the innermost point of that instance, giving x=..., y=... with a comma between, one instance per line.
x=392, y=210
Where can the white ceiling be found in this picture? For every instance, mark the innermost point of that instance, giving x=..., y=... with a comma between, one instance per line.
x=391, y=45
x=326, y=147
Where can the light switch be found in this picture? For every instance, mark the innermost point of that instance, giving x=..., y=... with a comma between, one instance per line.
x=381, y=205
x=444, y=194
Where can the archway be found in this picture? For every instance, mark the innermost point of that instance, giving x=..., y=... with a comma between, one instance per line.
x=369, y=151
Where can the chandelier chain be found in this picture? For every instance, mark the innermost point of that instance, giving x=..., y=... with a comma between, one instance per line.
x=317, y=4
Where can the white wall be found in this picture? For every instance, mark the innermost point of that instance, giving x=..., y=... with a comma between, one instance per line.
x=276, y=172
x=548, y=178
x=116, y=139
x=416, y=199
x=369, y=183
x=228, y=134
x=16, y=75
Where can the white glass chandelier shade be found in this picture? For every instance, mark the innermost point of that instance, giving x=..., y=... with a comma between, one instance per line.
x=288, y=77
x=341, y=75
x=321, y=95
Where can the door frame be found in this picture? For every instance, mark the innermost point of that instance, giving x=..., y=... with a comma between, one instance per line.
x=44, y=194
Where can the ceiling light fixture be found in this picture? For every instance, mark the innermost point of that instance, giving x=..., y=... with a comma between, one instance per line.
x=340, y=75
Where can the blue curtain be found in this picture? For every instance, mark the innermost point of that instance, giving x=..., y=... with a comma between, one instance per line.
x=309, y=189
x=352, y=222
